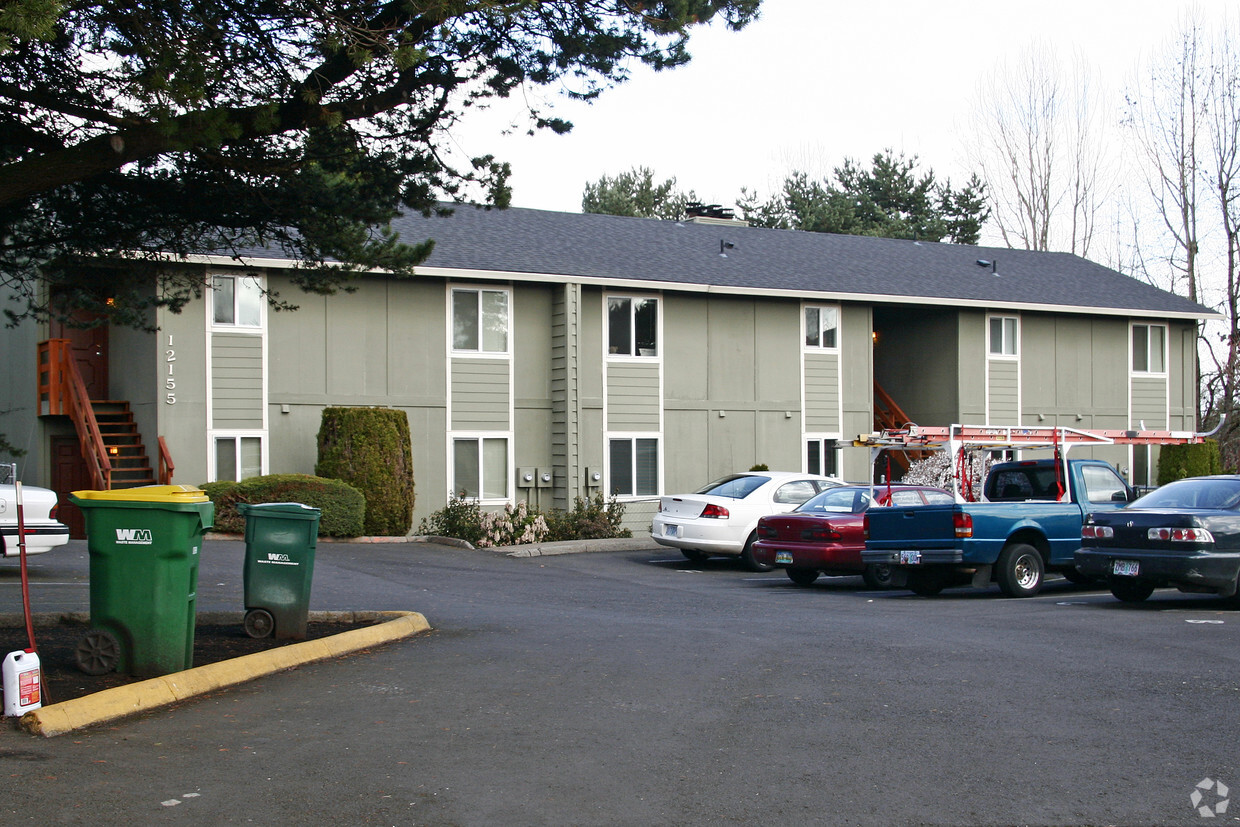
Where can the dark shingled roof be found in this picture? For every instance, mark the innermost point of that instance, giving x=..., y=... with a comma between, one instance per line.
x=606, y=247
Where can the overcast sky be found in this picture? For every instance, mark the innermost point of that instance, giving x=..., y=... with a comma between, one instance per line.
x=815, y=81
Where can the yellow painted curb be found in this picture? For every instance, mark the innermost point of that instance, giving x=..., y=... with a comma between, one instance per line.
x=110, y=704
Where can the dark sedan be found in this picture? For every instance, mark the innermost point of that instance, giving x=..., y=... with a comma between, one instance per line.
x=823, y=535
x=1185, y=534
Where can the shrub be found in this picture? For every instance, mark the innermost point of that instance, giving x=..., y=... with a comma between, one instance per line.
x=370, y=449
x=460, y=519
x=342, y=507
x=939, y=468
x=1175, y=462
x=592, y=518
x=515, y=525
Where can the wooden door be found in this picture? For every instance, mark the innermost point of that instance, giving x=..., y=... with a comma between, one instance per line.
x=69, y=473
x=90, y=350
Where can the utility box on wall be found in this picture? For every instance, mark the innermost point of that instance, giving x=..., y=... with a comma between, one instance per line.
x=544, y=478
x=594, y=477
x=526, y=477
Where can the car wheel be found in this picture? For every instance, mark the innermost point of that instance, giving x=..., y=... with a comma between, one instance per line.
x=747, y=555
x=802, y=577
x=1020, y=570
x=693, y=555
x=877, y=576
x=1130, y=590
x=926, y=583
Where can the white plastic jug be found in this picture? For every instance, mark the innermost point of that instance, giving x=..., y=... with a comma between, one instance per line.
x=22, y=683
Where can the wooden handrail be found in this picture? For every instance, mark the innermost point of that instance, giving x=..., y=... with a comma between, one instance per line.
x=165, y=463
x=83, y=416
x=51, y=383
x=889, y=415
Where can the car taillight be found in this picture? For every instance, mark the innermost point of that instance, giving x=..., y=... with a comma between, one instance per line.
x=1181, y=535
x=824, y=532
x=718, y=511
x=963, y=523
x=1097, y=532
x=865, y=527
x=767, y=532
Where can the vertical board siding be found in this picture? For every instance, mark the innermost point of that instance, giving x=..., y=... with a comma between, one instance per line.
x=633, y=401
x=565, y=426
x=236, y=381
x=822, y=393
x=1003, y=401
x=1149, y=402
x=481, y=395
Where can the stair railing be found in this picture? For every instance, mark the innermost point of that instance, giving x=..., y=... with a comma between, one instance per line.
x=83, y=416
x=165, y=463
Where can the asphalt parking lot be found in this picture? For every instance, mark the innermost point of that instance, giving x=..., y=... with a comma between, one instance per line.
x=631, y=687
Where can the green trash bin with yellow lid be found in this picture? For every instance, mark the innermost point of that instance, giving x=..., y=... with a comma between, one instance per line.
x=280, y=542
x=144, y=548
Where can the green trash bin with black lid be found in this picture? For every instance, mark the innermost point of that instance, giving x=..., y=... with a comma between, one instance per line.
x=144, y=548
x=280, y=541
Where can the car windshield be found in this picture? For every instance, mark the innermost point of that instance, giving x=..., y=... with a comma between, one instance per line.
x=1193, y=493
x=837, y=501
x=737, y=486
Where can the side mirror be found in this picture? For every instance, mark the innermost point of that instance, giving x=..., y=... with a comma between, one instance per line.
x=1127, y=495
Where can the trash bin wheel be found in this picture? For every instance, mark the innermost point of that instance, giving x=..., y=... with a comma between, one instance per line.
x=97, y=653
x=259, y=623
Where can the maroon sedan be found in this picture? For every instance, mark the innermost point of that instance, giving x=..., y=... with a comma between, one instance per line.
x=823, y=535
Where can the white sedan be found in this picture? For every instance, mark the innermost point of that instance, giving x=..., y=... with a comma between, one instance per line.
x=722, y=517
x=43, y=533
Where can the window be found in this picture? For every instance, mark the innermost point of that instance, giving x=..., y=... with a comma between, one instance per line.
x=1003, y=330
x=906, y=498
x=821, y=324
x=237, y=300
x=1149, y=348
x=632, y=326
x=795, y=492
x=480, y=468
x=1102, y=484
x=238, y=457
x=480, y=320
x=634, y=466
x=822, y=456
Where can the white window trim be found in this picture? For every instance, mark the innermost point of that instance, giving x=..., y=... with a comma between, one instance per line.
x=222, y=433
x=1132, y=356
x=451, y=329
x=1010, y=357
x=806, y=438
x=632, y=436
x=839, y=326
x=658, y=329
x=508, y=438
x=212, y=324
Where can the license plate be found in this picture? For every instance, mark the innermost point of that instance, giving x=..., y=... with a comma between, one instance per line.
x=910, y=558
x=783, y=558
x=1125, y=568
x=671, y=530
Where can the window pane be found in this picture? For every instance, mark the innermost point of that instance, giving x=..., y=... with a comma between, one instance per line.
x=226, y=459
x=495, y=468
x=465, y=468
x=1158, y=335
x=249, y=302
x=222, y=301
x=464, y=320
x=251, y=457
x=813, y=327
x=1009, y=337
x=813, y=464
x=647, y=466
x=996, y=335
x=829, y=454
x=619, y=326
x=646, y=326
x=1140, y=348
x=494, y=321
x=828, y=327
x=621, y=466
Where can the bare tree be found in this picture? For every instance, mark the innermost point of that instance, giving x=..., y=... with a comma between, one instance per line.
x=1037, y=144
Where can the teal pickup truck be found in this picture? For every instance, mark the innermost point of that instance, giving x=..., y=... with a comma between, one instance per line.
x=1028, y=523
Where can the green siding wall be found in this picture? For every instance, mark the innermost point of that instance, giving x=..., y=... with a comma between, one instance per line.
x=822, y=393
x=1149, y=402
x=633, y=398
x=480, y=395
x=1003, y=400
x=236, y=381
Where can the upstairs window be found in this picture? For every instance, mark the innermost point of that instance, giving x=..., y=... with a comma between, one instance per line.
x=480, y=321
x=821, y=327
x=632, y=326
x=1003, y=335
x=1149, y=348
x=237, y=300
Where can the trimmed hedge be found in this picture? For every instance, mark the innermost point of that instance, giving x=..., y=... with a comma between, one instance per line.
x=370, y=448
x=1175, y=462
x=342, y=507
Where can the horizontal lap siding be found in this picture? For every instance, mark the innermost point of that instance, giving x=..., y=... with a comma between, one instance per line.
x=481, y=395
x=822, y=393
x=236, y=381
x=633, y=401
x=1003, y=405
x=1149, y=402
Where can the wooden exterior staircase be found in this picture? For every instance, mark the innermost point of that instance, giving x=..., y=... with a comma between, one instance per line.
x=889, y=416
x=113, y=449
